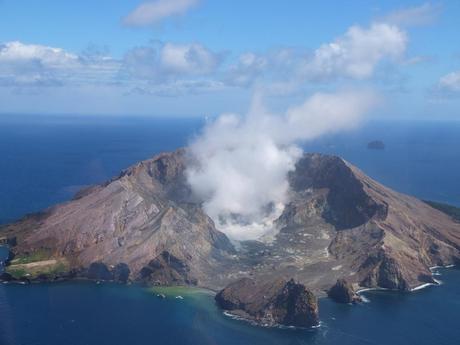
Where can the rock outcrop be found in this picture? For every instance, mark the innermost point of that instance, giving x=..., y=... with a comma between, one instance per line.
x=343, y=292
x=270, y=303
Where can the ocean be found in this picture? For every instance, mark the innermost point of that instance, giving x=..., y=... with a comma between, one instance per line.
x=46, y=159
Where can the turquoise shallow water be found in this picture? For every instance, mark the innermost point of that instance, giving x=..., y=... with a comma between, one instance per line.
x=44, y=160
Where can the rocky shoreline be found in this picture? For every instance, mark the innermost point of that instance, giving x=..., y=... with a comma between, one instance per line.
x=280, y=303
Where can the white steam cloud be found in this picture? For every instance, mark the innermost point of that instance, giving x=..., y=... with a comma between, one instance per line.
x=242, y=162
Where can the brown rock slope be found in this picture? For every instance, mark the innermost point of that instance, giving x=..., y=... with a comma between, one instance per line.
x=381, y=238
x=339, y=223
x=140, y=218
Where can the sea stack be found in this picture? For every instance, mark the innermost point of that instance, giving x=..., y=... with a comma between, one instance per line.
x=270, y=303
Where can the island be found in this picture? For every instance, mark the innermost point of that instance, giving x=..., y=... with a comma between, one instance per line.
x=339, y=232
x=376, y=145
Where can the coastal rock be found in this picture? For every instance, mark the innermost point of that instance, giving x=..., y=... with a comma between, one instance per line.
x=121, y=273
x=270, y=303
x=99, y=271
x=6, y=277
x=343, y=292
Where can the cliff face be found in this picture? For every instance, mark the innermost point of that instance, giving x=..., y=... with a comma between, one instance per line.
x=338, y=223
x=343, y=292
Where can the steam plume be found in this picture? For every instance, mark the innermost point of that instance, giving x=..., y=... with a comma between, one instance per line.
x=242, y=162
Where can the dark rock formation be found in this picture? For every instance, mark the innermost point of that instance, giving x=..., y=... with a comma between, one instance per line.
x=166, y=269
x=376, y=145
x=9, y=241
x=121, y=273
x=343, y=292
x=99, y=271
x=348, y=205
x=270, y=303
x=6, y=277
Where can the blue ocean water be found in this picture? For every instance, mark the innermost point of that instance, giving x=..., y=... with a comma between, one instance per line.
x=45, y=159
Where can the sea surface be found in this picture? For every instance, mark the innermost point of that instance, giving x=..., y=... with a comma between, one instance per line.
x=46, y=159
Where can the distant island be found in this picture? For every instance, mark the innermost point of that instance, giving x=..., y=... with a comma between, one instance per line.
x=340, y=232
x=376, y=145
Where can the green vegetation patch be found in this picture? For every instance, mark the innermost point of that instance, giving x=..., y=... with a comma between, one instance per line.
x=39, y=255
x=450, y=210
x=17, y=273
x=31, y=270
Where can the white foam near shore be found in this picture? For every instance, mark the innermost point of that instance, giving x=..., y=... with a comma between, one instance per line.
x=436, y=283
x=437, y=267
x=422, y=286
x=371, y=289
x=364, y=299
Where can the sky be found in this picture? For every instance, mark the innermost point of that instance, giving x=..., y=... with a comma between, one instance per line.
x=206, y=57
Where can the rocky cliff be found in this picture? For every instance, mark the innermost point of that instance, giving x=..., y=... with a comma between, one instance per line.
x=343, y=292
x=338, y=223
x=270, y=303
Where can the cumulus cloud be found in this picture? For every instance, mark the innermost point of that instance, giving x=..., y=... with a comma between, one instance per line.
x=168, y=60
x=357, y=53
x=423, y=14
x=448, y=85
x=37, y=65
x=33, y=64
x=242, y=162
x=164, y=69
x=152, y=12
x=247, y=69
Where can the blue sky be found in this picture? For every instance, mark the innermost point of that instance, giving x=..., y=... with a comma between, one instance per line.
x=192, y=57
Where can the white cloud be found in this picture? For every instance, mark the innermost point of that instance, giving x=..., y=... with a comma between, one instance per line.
x=424, y=14
x=37, y=65
x=174, y=69
x=191, y=59
x=449, y=85
x=357, y=53
x=169, y=61
x=152, y=12
x=165, y=69
x=49, y=56
x=243, y=161
x=248, y=68
x=33, y=64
